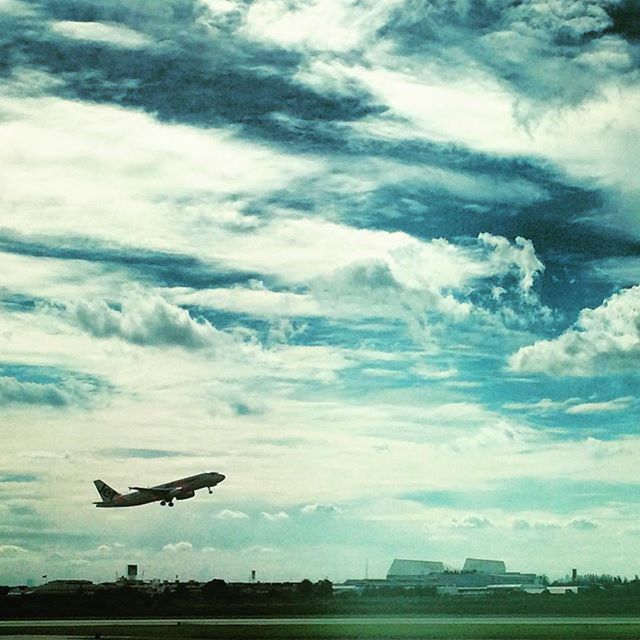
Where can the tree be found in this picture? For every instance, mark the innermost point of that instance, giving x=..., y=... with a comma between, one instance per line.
x=324, y=588
x=215, y=589
x=305, y=589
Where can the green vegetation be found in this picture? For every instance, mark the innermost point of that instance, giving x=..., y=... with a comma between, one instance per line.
x=219, y=599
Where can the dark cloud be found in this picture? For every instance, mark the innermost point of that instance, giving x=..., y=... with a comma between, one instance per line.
x=190, y=73
x=166, y=269
x=625, y=18
x=17, y=302
x=147, y=454
x=18, y=477
x=14, y=391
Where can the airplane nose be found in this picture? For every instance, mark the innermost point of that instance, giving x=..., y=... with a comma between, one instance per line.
x=221, y=477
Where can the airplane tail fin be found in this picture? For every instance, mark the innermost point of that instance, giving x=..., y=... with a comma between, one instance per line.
x=106, y=492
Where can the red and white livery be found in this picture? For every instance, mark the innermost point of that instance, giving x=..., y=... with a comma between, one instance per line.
x=182, y=489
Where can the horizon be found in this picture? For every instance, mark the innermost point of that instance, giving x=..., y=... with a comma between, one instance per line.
x=376, y=262
x=140, y=577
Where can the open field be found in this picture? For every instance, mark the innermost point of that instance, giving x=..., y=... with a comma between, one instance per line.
x=329, y=629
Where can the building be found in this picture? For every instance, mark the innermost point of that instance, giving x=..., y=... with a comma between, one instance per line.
x=66, y=586
x=476, y=576
x=476, y=565
x=403, y=570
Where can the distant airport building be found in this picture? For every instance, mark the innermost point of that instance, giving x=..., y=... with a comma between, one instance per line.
x=484, y=566
x=476, y=574
x=401, y=570
x=66, y=586
x=132, y=572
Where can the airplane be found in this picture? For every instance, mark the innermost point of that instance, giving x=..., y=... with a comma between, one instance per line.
x=165, y=493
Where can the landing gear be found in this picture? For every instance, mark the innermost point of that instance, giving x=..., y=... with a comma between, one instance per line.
x=210, y=490
x=170, y=504
x=162, y=503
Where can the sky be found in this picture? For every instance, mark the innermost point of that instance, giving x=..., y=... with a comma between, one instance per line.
x=377, y=261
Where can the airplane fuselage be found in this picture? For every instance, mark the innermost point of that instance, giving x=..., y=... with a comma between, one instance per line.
x=181, y=489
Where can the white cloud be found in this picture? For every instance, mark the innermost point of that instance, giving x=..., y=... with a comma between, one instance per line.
x=320, y=508
x=483, y=109
x=521, y=257
x=11, y=550
x=15, y=7
x=417, y=281
x=473, y=522
x=572, y=405
x=603, y=341
x=590, y=140
x=346, y=25
x=500, y=436
x=178, y=547
x=255, y=299
x=544, y=405
x=618, y=404
x=132, y=173
x=102, y=32
x=429, y=373
x=146, y=320
x=275, y=517
x=229, y=514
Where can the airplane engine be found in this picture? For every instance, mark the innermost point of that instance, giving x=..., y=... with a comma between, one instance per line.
x=184, y=495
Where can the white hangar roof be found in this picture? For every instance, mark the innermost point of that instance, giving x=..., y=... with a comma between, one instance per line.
x=405, y=568
x=484, y=566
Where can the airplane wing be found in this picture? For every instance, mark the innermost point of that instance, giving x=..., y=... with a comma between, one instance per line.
x=158, y=491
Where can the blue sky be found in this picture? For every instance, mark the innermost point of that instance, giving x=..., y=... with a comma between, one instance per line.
x=377, y=262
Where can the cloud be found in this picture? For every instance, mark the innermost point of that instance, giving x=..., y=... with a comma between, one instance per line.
x=14, y=391
x=572, y=406
x=618, y=404
x=520, y=257
x=346, y=25
x=146, y=320
x=101, y=32
x=11, y=550
x=498, y=436
x=421, y=281
x=178, y=547
x=474, y=522
x=147, y=454
x=256, y=299
x=525, y=525
x=282, y=201
x=133, y=173
x=228, y=514
x=582, y=525
x=17, y=477
x=320, y=508
x=275, y=517
x=603, y=341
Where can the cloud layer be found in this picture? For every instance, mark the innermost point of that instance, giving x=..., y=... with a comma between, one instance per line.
x=373, y=261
